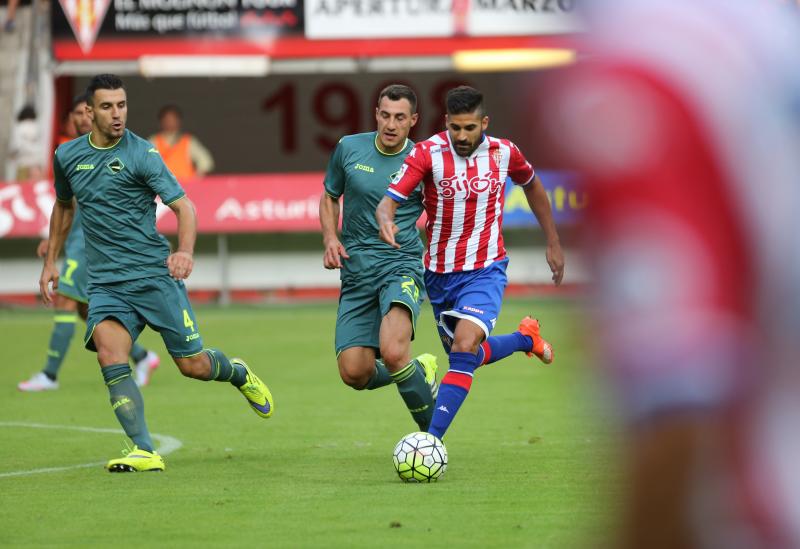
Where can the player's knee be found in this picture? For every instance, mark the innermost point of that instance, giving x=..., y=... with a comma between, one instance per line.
x=195, y=367
x=394, y=357
x=466, y=345
x=107, y=356
x=64, y=303
x=354, y=376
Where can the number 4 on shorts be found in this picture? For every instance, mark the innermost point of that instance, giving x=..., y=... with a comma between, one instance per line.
x=187, y=320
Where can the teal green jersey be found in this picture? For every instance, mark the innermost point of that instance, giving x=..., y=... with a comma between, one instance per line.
x=116, y=188
x=74, y=244
x=361, y=173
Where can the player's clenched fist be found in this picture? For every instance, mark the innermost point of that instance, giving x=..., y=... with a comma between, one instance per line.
x=49, y=274
x=334, y=252
x=180, y=265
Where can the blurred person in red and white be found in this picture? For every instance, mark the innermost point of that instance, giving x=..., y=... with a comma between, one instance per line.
x=684, y=121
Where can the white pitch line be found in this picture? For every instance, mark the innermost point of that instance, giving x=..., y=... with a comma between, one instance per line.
x=167, y=445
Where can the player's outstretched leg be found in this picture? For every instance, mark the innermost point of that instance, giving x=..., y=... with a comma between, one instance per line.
x=235, y=371
x=416, y=383
x=453, y=391
x=255, y=391
x=60, y=339
x=127, y=403
x=380, y=378
x=145, y=363
x=526, y=339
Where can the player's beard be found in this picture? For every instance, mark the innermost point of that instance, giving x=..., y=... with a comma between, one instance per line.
x=465, y=148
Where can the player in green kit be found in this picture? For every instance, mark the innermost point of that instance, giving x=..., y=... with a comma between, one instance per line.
x=71, y=299
x=382, y=287
x=134, y=279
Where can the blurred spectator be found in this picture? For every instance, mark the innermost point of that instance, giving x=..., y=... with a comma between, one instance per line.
x=183, y=153
x=26, y=146
x=685, y=124
x=67, y=130
x=11, y=13
x=75, y=122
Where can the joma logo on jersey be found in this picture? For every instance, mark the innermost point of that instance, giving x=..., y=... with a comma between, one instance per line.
x=115, y=165
x=190, y=337
x=363, y=168
x=80, y=167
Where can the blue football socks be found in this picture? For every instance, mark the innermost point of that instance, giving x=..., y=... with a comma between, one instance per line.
x=499, y=347
x=452, y=391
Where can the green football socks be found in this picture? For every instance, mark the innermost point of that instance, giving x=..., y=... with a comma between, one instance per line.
x=223, y=370
x=138, y=353
x=381, y=377
x=127, y=403
x=415, y=392
x=60, y=338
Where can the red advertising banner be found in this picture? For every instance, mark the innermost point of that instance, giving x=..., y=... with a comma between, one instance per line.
x=224, y=203
x=261, y=203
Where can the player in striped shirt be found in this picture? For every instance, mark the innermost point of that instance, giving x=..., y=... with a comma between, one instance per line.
x=463, y=173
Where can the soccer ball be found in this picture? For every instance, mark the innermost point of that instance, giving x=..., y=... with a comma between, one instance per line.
x=420, y=457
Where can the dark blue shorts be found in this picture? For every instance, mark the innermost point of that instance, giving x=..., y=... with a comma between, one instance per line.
x=470, y=295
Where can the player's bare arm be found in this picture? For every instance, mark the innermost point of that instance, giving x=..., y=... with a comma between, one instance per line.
x=60, y=224
x=540, y=206
x=329, y=220
x=181, y=262
x=41, y=249
x=385, y=217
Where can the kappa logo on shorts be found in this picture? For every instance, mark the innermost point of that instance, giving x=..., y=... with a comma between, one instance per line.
x=472, y=309
x=115, y=166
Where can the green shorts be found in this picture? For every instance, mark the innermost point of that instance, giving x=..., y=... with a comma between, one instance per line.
x=73, y=279
x=364, y=303
x=159, y=302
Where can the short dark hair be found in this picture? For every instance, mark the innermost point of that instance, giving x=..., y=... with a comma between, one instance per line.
x=102, y=82
x=465, y=100
x=396, y=92
x=170, y=108
x=78, y=99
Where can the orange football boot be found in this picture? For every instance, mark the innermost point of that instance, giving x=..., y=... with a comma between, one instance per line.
x=530, y=327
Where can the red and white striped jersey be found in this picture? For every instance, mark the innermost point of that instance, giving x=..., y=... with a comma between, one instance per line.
x=463, y=198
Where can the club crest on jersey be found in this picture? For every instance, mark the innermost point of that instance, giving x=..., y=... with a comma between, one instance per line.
x=398, y=174
x=115, y=166
x=497, y=156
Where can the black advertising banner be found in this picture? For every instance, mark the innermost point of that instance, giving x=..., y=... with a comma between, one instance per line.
x=90, y=20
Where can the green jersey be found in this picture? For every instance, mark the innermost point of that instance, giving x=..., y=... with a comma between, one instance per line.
x=74, y=244
x=116, y=188
x=362, y=173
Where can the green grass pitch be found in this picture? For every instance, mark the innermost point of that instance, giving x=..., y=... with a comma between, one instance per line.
x=532, y=459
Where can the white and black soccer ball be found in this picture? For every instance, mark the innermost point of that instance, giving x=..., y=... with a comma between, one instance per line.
x=420, y=457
